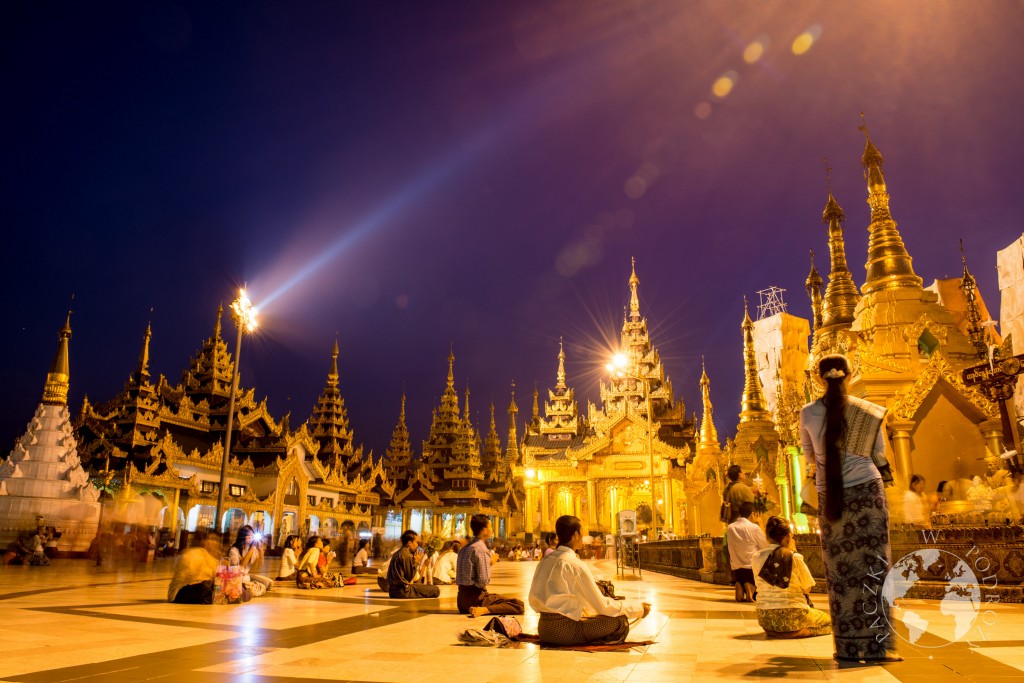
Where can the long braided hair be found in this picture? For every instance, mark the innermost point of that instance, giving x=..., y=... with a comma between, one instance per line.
x=834, y=370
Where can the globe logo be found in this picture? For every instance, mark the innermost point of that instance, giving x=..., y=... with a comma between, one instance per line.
x=958, y=608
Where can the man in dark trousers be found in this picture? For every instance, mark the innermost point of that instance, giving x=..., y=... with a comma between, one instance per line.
x=473, y=573
x=402, y=571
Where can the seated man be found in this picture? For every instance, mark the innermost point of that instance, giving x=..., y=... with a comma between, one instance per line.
x=744, y=539
x=573, y=611
x=473, y=573
x=402, y=578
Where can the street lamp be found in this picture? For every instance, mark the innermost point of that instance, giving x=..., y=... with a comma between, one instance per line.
x=617, y=367
x=244, y=315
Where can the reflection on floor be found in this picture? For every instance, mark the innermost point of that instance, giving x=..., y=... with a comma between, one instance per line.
x=71, y=621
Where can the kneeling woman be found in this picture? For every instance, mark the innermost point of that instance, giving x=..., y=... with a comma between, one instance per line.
x=783, y=584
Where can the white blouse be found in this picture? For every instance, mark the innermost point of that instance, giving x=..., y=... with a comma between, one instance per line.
x=857, y=469
x=773, y=597
x=288, y=562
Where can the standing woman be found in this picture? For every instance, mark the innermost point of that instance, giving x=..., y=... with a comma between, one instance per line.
x=845, y=435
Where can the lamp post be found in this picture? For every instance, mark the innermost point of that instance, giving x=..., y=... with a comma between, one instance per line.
x=617, y=368
x=244, y=315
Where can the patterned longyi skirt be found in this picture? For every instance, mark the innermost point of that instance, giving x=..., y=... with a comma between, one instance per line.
x=855, y=550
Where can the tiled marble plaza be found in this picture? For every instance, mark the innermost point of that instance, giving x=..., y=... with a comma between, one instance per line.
x=71, y=622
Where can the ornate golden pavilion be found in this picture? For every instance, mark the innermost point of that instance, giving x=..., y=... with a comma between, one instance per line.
x=167, y=440
x=596, y=466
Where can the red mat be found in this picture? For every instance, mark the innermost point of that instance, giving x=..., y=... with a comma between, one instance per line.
x=531, y=638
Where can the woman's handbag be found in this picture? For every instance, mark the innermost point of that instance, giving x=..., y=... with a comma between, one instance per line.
x=228, y=588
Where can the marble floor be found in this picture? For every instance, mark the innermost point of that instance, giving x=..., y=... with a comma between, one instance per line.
x=73, y=622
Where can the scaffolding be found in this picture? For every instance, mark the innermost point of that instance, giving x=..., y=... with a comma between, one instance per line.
x=772, y=302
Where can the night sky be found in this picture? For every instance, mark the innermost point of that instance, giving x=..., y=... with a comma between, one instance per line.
x=406, y=175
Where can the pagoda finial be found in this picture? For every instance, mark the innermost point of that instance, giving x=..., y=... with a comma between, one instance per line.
x=814, y=286
x=536, y=405
x=969, y=286
x=216, y=326
x=888, y=265
x=752, y=405
x=512, y=447
x=493, y=427
x=466, y=411
x=560, y=377
x=142, y=372
x=841, y=295
x=401, y=413
x=55, y=390
x=708, y=433
x=451, y=366
x=634, y=299
x=332, y=374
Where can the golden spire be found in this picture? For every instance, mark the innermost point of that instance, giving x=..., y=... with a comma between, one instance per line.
x=536, y=405
x=142, y=371
x=493, y=426
x=752, y=406
x=401, y=413
x=513, y=439
x=841, y=295
x=451, y=367
x=466, y=413
x=814, y=284
x=332, y=374
x=55, y=391
x=969, y=286
x=216, y=327
x=634, y=299
x=560, y=377
x=889, y=264
x=708, y=433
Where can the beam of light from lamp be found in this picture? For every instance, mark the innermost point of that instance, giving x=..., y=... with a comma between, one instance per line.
x=413, y=191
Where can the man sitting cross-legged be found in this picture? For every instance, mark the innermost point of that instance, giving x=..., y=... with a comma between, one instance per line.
x=573, y=611
x=402, y=578
x=473, y=573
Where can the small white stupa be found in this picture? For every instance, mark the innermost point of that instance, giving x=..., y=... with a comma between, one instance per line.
x=43, y=476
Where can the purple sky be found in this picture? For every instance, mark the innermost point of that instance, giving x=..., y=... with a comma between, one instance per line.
x=409, y=175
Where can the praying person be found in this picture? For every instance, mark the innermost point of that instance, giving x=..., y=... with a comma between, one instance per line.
x=444, y=570
x=845, y=435
x=784, y=584
x=402, y=578
x=289, y=558
x=745, y=539
x=473, y=573
x=915, y=507
x=573, y=611
x=361, y=562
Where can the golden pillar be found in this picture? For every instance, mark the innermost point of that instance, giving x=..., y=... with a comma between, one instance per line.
x=904, y=463
x=670, y=502
x=406, y=518
x=531, y=508
x=545, y=513
x=591, y=506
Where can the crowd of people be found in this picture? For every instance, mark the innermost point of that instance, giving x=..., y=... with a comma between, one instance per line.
x=845, y=444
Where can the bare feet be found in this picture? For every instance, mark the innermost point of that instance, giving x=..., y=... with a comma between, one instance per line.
x=647, y=609
x=478, y=611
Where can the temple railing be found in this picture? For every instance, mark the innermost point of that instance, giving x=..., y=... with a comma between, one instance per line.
x=994, y=554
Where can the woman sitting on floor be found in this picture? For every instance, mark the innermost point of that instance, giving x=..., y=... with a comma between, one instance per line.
x=290, y=558
x=308, y=572
x=247, y=553
x=361, y=562
x=783, y=586
x=195, y=570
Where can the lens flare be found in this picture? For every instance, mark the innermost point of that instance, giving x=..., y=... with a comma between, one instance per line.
x=803, y=42
x=724, y=84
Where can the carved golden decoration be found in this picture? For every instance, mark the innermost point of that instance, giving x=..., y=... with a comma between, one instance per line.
x=908, y=402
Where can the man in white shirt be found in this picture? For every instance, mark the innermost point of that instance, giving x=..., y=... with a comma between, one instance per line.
x=573, y=611
x=744, y=539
